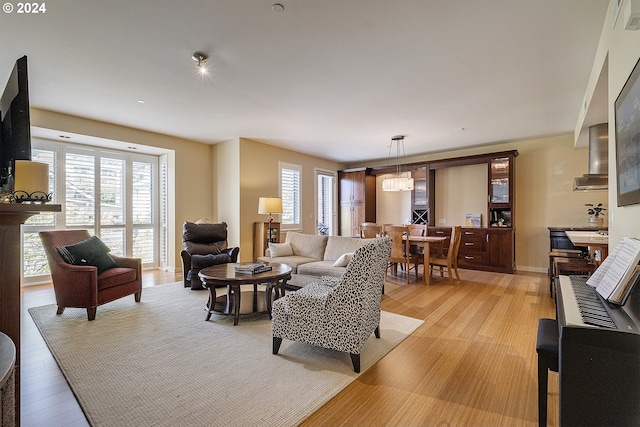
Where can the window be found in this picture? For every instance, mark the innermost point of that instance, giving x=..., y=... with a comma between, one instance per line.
x=112, y=194
x=290, y=183
x=325, y=202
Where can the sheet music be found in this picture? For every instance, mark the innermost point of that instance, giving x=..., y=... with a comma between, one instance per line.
x=598, y=275
x=624, y=258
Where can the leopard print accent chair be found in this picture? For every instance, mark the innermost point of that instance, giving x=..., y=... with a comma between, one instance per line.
x=338, y=313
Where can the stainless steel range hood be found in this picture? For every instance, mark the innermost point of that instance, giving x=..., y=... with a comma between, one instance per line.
x=598, y=176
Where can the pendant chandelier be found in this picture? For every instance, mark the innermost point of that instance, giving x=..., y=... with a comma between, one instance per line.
x=398, y=181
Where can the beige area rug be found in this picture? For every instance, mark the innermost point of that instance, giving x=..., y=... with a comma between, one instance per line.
x=160, y=363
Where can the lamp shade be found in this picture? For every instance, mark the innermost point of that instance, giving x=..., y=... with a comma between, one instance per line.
x=269, y=205
x=31, y=177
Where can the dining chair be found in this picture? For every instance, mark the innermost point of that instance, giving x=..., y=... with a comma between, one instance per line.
x=574, y=254
x=400, y=253
x=450, y=261
x=417, y=230
x=370, y=230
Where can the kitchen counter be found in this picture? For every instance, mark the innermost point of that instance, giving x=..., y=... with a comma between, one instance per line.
x=597, y=243
x=584, y=228
x=558, y=238
x=586, y=238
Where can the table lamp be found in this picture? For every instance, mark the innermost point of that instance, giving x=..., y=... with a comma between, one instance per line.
x=31, y=182
x=270, y=205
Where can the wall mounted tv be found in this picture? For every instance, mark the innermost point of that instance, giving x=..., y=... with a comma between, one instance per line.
x=15, y=138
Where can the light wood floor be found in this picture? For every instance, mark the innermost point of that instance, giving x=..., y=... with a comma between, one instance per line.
x=472, y=363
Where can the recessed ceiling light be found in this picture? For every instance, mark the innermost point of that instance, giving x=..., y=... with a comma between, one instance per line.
x=277, y=7
x=141, y=101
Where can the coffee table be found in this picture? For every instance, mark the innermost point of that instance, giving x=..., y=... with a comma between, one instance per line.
x=224, y=275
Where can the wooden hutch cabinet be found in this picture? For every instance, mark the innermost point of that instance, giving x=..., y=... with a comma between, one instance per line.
x=357, y=195
x=489, y=248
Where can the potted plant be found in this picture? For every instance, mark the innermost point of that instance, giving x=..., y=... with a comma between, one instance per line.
x=595, y=212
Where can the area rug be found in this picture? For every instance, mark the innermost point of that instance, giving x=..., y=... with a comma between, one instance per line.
x=158, y=362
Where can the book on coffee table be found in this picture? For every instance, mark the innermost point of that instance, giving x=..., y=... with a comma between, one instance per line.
x=251, y=268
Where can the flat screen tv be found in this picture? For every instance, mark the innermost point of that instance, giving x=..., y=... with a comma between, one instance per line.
x=15, y=138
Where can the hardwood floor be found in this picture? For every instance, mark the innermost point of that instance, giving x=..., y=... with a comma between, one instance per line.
x=472, y=363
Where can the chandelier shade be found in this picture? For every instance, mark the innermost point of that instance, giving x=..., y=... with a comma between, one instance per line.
x=398, y=181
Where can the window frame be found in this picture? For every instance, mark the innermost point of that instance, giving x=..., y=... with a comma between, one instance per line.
x=60, y=151
x=332, y=202
x=296, y=225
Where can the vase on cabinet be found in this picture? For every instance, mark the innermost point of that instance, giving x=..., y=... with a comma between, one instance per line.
x=596, y=221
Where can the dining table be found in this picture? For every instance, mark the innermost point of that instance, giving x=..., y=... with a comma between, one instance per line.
x=596, y=242
x=425, y=243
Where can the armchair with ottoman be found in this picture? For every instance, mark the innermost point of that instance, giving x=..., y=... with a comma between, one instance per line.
x=205, y=245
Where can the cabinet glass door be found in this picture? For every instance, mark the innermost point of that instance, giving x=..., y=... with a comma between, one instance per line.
x=499, y=173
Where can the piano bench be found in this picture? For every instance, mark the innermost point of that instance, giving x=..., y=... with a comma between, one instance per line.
x=570, y=266
x=547, y=344
x=560, y=253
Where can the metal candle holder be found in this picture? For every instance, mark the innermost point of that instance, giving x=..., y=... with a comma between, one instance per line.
x=35, y=197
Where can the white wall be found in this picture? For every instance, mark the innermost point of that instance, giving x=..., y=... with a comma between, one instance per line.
x=622, y=47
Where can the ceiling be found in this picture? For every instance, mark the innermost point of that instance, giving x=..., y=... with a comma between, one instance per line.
x=331, y=78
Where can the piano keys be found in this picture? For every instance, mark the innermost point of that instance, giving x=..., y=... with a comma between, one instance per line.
x=599, y=356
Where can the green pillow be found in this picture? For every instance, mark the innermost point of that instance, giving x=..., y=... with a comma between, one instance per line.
x=92, y=251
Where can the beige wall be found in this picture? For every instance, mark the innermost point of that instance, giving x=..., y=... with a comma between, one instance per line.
x=392, y=207
x=226, y=184
x=459, y=191
x=259, y=177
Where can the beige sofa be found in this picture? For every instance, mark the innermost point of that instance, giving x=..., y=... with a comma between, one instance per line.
x=312, y=256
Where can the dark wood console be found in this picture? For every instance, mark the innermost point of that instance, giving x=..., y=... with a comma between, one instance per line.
x=487, y=249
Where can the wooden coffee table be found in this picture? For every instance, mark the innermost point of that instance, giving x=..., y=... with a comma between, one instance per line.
x=224, y=275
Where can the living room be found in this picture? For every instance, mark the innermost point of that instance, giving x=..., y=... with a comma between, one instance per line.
x=223, y=182
x=545, y=170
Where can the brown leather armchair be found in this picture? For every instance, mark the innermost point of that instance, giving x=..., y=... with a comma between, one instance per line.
x=81, y=285
x=204, y=245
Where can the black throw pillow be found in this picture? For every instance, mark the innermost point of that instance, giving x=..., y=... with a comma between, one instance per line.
x=91, y=251
x=203, y=261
